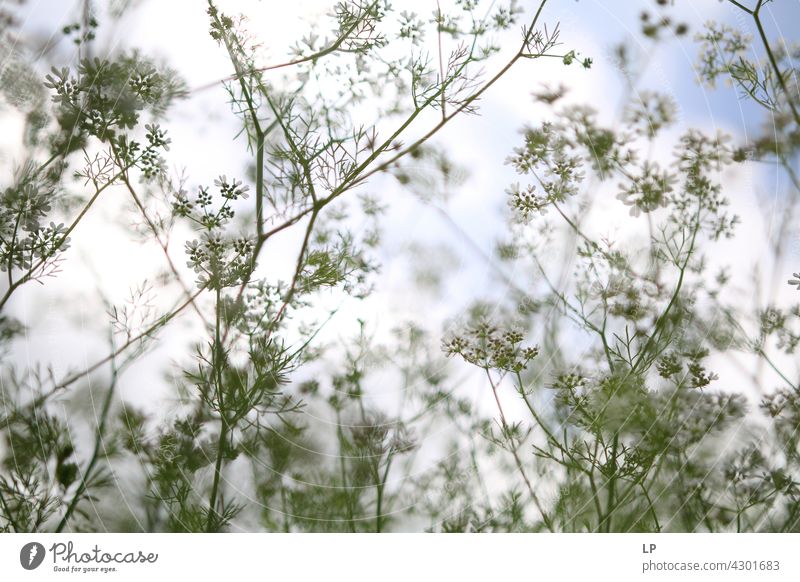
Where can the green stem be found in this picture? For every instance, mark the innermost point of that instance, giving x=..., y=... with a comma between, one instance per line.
x=28, y=275
x=512, y=447
x=98, y=443
x=9, y=516
x=774, y=63
x=650, y=507
x=300, y=60
x=223, y=431
x=596, y=498
x=612, y=484
x=343, y=470
x=380, y=486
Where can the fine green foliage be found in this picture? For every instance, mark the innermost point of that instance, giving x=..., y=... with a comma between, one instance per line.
x=636, y=427
x=609, y=411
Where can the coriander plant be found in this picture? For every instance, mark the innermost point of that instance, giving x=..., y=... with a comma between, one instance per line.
x=623, y=383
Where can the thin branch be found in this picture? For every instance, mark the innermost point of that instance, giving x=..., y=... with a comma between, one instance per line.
x=513, y=449
x=332, y=48
x=98, y=443
x=28, y=275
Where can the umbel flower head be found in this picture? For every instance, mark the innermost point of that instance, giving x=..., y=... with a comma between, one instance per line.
x=231, y=189
x=487, y=346
x=647, y=191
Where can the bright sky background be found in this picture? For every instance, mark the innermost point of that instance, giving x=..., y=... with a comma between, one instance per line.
x=202, y=130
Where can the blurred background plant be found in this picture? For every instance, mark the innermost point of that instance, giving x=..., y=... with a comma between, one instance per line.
x=603, y=356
